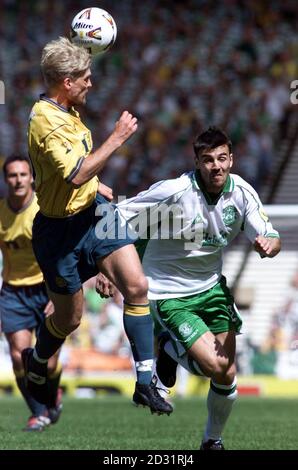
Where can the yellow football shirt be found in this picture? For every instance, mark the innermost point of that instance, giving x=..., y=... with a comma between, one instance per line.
x=20, y=267
x=58, y=144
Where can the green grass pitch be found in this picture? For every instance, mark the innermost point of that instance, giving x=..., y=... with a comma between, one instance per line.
x=111, y=422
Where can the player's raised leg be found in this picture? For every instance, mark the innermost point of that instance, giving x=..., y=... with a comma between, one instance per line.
x=211, y=356
x=123, y=268
x=222, y=392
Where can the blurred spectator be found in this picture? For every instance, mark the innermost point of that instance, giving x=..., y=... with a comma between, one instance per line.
x=279, y=353
x=93, y=301
x=265, y=358
x=287, y=317
x=109, y=336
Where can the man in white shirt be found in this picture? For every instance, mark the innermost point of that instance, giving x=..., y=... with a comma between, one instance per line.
x=183, y=225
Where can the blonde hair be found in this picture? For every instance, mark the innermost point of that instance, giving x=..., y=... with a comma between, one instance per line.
x=60, y=59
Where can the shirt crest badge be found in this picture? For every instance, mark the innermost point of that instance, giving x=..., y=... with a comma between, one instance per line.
x=229, y=215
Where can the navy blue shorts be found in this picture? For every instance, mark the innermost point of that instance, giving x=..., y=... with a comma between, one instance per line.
x=22, y=307
x=68, y=248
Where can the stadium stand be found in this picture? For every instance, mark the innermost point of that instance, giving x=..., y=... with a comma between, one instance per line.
x=180, y=66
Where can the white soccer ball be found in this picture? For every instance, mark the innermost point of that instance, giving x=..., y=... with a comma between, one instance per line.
x=94, y=29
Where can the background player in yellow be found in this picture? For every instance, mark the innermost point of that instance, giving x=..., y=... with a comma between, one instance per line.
x=24, y=301
x=65, y=241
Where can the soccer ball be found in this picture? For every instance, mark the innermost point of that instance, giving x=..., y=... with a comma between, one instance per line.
x=94, y=29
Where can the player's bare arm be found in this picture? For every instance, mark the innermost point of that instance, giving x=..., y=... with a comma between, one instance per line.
x=124, y=128
x=267, y=247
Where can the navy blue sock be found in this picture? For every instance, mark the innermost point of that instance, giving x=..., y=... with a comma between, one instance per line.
x=36, y=408
x=139, y=330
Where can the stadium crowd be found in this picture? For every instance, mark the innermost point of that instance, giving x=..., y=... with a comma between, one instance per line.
x=178, y=66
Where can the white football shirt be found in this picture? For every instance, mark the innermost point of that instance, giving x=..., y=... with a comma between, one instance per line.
x=183, y=232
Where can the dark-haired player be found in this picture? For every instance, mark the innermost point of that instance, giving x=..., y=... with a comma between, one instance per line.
x=203, y=211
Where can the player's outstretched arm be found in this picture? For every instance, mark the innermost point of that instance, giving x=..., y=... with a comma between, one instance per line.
x=267, y=247
x=124, y=128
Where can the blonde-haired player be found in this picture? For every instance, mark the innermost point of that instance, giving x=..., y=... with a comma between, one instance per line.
x=66, y=243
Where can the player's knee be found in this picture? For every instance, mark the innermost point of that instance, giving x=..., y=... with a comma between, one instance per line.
x=136, y=290
x=69, y=324
x=220, y=366
x=224, y=372
x=73, y=324
x=142, y=287
x=230, y=374
x=212, y=367
x=16, y=359
x=68, y=320
x=51, y=368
